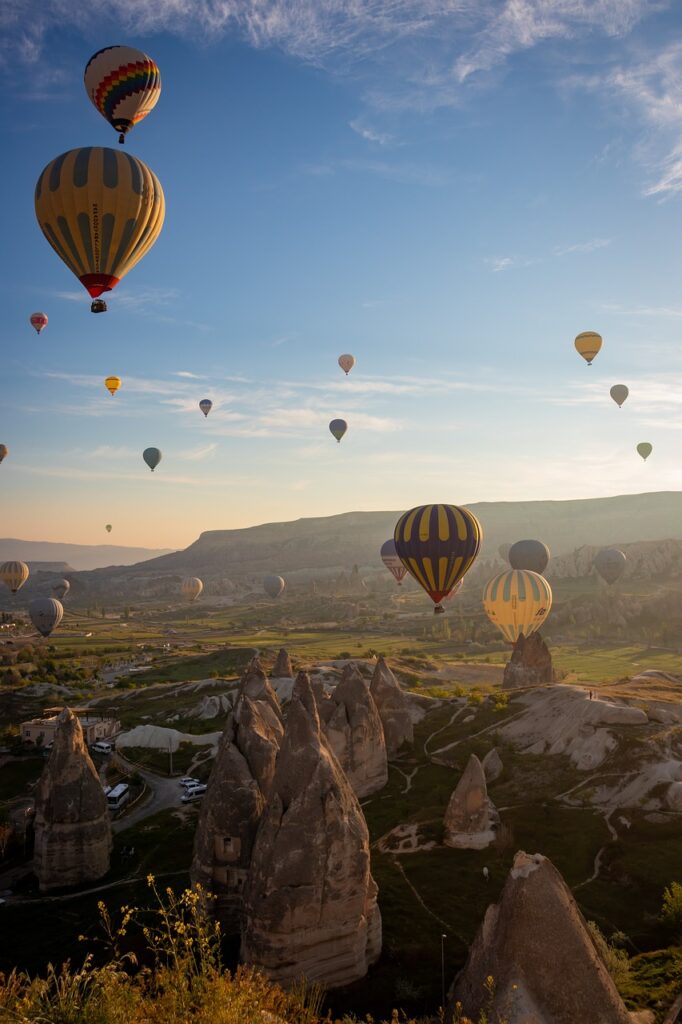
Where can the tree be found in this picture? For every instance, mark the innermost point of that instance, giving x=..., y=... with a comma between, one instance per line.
x=671, y=911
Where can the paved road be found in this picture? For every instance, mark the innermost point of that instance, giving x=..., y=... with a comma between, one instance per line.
x=162, y=794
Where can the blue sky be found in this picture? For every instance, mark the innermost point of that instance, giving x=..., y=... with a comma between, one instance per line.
x=449, y=189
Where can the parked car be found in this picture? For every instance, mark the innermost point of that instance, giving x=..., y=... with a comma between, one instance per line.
x=198, y=787
x=192, y=794
x=189, y=781
x=100, y=747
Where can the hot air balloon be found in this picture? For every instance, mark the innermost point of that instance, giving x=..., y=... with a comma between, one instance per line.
x=61, y=588
x=112, y=384
x=4, y=451
x=191, y=587
x=503, y=552
x=101, y=211
x=39, y=321
x=437, y=544
x=14, y=575
x=45, y=614
x=588, y=344
x=124, y=84
x=389, y=556
x=346, y=362
x=517, y=601
x=338, y=429
x=645, y=449
x=108, y=527
x=206, y=405
x=529, y=554
x=152, y=456
x=610, y=564
x=273, y=585
x=619, y=393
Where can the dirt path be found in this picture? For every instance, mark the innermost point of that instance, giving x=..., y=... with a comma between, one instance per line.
x=453, y=719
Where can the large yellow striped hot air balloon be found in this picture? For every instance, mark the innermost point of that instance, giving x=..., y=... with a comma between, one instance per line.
x=437, y=544
x=588, y=345
x=101, y=210
x=517, y=601
x=14, y=575
x=191, y=587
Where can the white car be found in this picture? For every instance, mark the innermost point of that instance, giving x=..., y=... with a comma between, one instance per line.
x=195, y=793
x=188, y=781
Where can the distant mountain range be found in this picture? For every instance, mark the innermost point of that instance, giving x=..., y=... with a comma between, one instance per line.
x=73, y=556
x=336, y=543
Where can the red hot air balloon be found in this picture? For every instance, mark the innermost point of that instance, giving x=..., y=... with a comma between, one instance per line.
x=39, y=321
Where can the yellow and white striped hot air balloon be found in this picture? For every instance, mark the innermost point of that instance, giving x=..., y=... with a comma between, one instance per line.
x=101, y=210
x=191, y=587
x=14, y=575
x=588, y=345
x=517, y=601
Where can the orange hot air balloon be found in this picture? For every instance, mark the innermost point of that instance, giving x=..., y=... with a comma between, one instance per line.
x=112, y=384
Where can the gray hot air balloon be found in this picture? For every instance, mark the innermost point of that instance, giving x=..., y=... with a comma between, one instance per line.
x=273, y=586
x=503, y=552
x=644, y=449
x=46, y=614
x=152, y=456
x=4, y=451
x=529, y=554
x=61, y=588
x=619, y=393
x=338, y=428
x=610, y=564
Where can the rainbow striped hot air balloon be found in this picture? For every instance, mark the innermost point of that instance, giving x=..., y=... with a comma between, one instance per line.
x=124, y=84
x=438, y=544
x=517, y=601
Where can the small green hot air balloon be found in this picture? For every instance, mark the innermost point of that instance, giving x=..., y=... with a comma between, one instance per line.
x=152, y=456
x=619, y=393
x=645, y=449
x=338, y=429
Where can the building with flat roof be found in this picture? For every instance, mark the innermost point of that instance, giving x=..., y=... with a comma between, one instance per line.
x=40, y=731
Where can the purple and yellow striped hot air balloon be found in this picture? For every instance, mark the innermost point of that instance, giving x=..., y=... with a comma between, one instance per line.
x=124, y=84
x=438, y=544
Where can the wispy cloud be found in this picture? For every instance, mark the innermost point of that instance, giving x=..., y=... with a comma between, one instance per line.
x=500, y=263
x=581, y=247
x=674, y=312
x=186, y=373
x=368, y=133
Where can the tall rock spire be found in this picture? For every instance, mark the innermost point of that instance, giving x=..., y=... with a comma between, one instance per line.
x=470, y=818
x=356, y=734
x=393, y=708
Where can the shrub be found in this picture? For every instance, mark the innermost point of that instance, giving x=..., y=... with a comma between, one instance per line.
x=616, y=960
x=671, y=911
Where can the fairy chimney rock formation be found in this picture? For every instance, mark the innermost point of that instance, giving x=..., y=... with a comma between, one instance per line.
x=311, y=902
x=72, y=824
x=282, y=668
x=470, y=818
x=393, y=708
x=536, y=945
x=258, y=737
x=356, y=735
x=228, y=819
x=530, y=663
x=492, y=765
x=254, y=685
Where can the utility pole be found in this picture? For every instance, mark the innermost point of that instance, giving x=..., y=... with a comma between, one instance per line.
x=442, y=971
x=170, y=758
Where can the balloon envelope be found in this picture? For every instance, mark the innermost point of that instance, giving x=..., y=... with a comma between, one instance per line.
x=619, y=393
x=438, y=544
x=112, y=384
x=529, y=554
x=610, y=564
x=453, y=593
x=273, y=586
x=39, y=321
x=503, y=552
x=14, y=575
x=346, y=362
x=192, y=587
x=4, y=451
x=45, y=614
x=338, y=428
x=588, y=345
x=124, y=84
x=108, y=527
x=517, y=601
x=61, y=588
x=101, y=210
x=152, y=456
x=390, y=558
x=206, y=405
x=645, y=449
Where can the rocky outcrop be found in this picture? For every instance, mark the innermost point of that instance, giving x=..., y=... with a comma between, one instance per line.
x=223, y=843
x=72, y=825
x=492, y=765
x=536, y=945
x=311, y=901
x=393, y=708
x=258, y=736
x=470, y=817
x=356, y=734
x=282, y=668
x=529, y=665
x=254, y=685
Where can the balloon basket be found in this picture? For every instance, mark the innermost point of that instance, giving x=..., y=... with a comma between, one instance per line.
x=439, y=610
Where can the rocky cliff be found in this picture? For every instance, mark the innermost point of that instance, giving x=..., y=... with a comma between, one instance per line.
x=356, y=734
x=529, y=665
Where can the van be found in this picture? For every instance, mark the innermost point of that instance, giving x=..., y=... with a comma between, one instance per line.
x=101, y=747
x=118, y=797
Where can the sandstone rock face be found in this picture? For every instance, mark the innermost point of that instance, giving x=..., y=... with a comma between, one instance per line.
x=254, y=685
x=536, y=946
x=311, y=908
x=530, y=664
x=282, y=668
x=258, y=737
x=72, y=824
x=393, y=708
x=356, y=734
x=470, y=816
x=223, y=843
x=492, y=765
